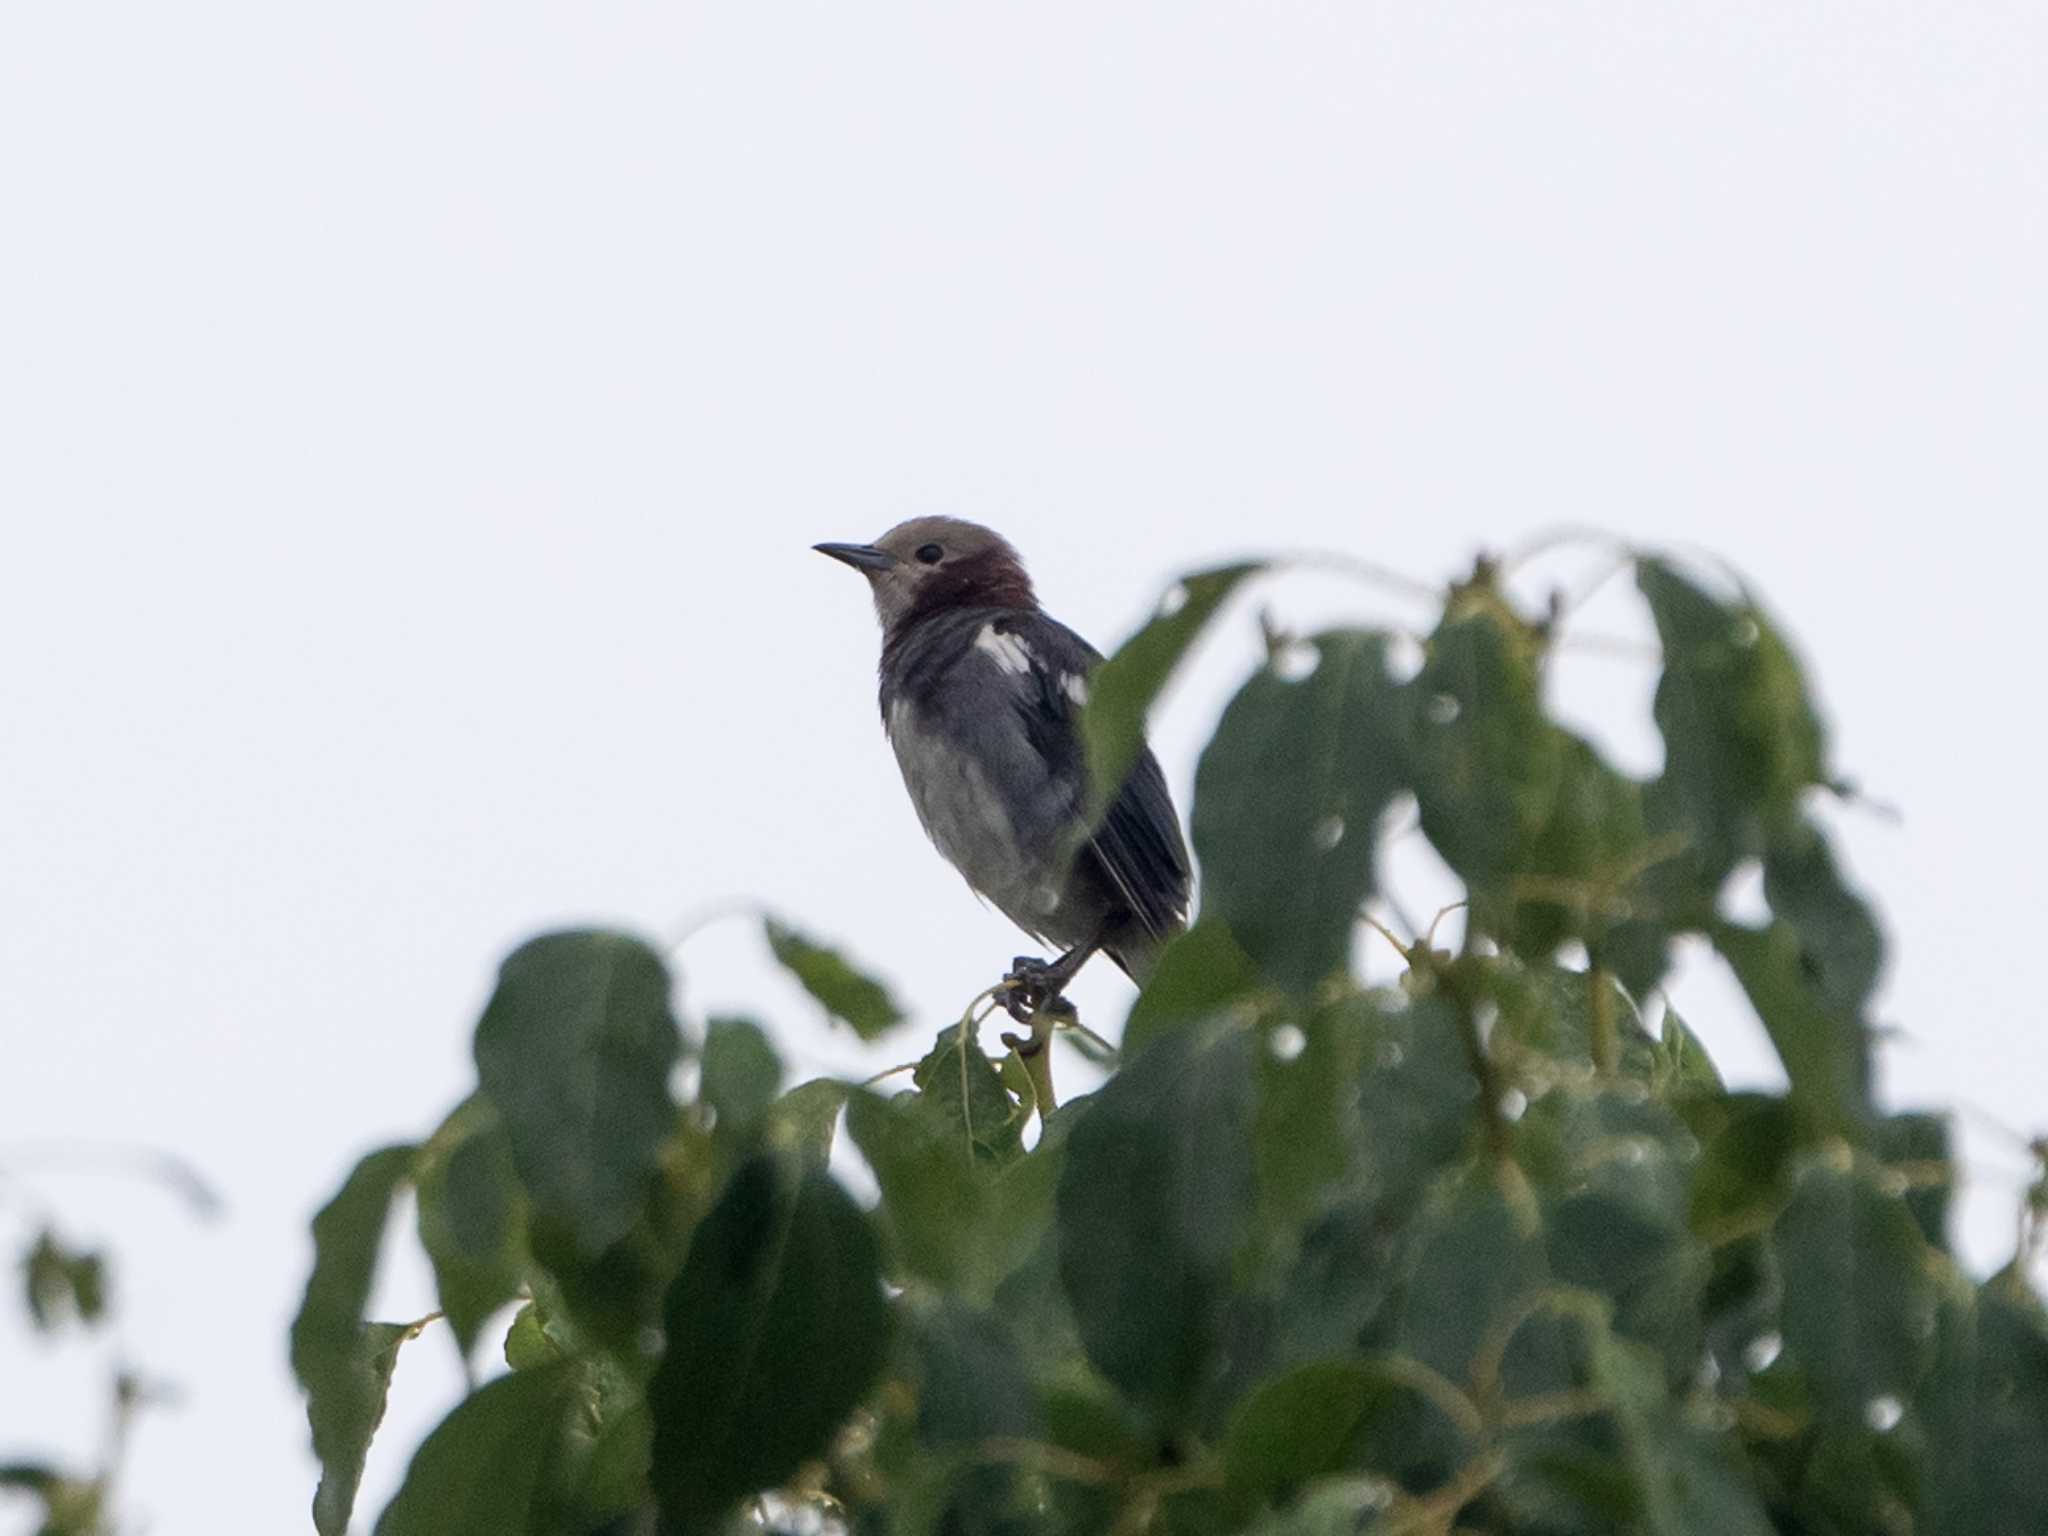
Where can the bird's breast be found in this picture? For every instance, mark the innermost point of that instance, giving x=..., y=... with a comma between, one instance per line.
x=967, y=818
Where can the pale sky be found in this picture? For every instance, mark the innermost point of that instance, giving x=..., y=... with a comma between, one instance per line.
x=414, y=419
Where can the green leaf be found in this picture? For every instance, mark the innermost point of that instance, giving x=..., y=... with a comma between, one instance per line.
x=1685, y=1481
x=963, y=1094
x=1478, y=1264
x=1585, y=865
x=958, y=1222
x=1858, y=1308
x=1680, y=1066
x=1826, y=1054
x=471, y=1218
x=330, y=1349
x=1741, y=739
x=1618, y=1228
x=1305, y=1137
x=1295, y=1426
x=72, y=1506
x=1739, y=1305
x=1855, y=1478
x=850, y=996
x=776, y=1329
x=804, y=1119
x=741, y=1070
x=347, y=1414
x=1288, y=797
x=1744, y=1174
x=575, y=1049
x=1916, y=1148
x=1840, y=949
x=1985, y=1405
x=934, y=1205
x=480, y=1473
x=1153, y=1203
x=971, y=1384
x=1335, y=1294
x=527, y=1342
x=1418, y=1100
x=1350, y=1506
x=1486, y=763
x=63, y=1282
x=1549, y=1010
x=1122, y=689
x=615, y=1478
x=1200, y=973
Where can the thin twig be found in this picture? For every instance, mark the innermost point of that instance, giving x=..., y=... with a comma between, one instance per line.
x=679, y=931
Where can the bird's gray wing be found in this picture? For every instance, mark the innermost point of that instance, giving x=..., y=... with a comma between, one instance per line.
x=1137, y=847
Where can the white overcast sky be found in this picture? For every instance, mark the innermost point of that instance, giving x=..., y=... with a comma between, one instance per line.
x=414, y=419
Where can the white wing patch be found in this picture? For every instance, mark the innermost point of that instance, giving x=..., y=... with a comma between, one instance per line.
x=1010, y=652
x=1077, y=689
x=899, y=718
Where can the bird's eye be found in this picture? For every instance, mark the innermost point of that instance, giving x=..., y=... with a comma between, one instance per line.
x=930, y=554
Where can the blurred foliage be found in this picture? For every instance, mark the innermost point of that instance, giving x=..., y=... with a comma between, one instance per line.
x=67, y=1289
x=1493, y=1250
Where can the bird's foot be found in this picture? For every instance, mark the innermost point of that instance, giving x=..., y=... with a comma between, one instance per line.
x=1031, y=995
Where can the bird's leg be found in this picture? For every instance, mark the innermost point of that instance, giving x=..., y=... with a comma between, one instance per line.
x=1035, y=986
x=1032, y=996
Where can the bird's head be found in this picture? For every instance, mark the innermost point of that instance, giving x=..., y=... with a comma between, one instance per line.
x=930, y=564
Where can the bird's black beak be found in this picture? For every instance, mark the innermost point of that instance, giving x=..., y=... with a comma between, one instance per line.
x=862, y=557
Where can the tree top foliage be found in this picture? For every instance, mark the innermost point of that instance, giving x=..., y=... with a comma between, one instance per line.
x=1493, y=1250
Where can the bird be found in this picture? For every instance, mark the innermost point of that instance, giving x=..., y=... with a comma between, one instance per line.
x=982, y=693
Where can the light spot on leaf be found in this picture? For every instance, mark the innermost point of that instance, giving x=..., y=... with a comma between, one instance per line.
x=1296, y=662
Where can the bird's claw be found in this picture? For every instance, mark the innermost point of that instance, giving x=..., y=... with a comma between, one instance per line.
x=1031, y=996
